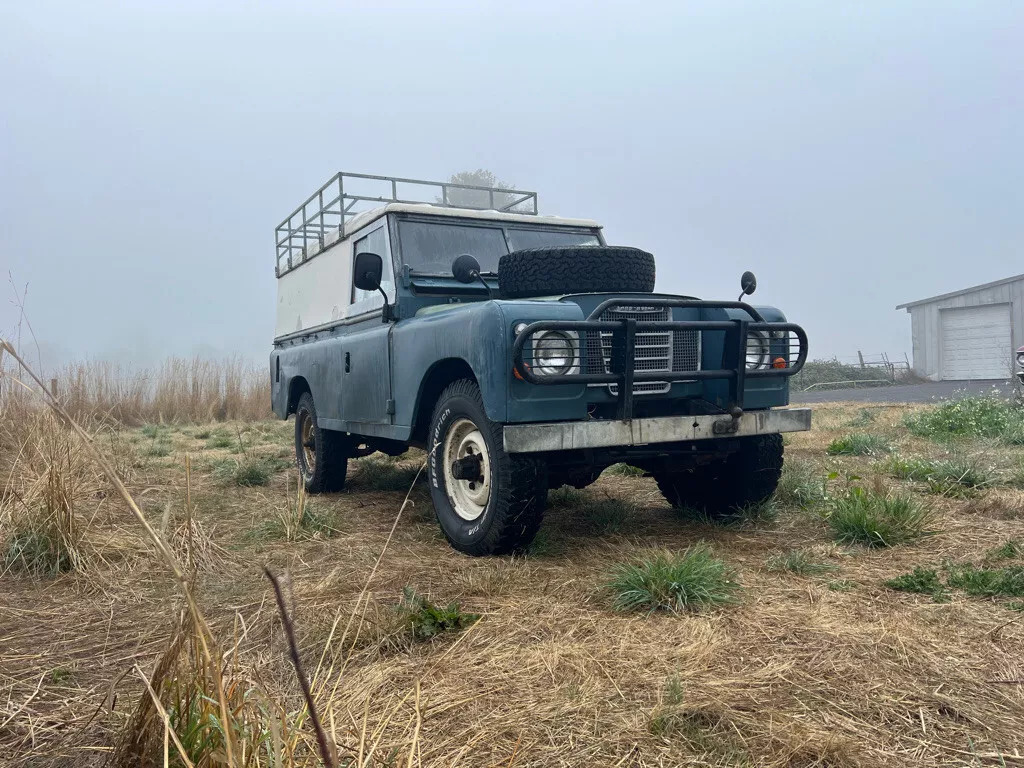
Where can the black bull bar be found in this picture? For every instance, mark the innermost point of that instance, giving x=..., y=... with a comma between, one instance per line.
x=787, y=339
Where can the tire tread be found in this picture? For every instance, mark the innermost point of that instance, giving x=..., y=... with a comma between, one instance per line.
x=749, y=476
x=517, y=515
x=575, y=269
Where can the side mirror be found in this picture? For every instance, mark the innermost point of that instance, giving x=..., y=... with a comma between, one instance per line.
x=367, y=272
x=466, y=269
x=748, y=283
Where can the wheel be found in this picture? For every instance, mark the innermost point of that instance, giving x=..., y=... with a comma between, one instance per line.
x=487, y=502
x=319, y=453
x=748, y=476
x=575, y=269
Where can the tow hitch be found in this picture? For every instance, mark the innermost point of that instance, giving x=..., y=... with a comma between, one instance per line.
x=731, y=425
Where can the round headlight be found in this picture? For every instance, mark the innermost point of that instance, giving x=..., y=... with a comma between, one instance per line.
x=554, y=353
x=1020, y=359
x=757, y=350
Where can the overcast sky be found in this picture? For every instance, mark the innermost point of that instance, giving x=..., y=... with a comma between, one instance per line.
x=854, y=155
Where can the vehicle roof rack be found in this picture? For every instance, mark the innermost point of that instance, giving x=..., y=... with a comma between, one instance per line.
x=346, y=195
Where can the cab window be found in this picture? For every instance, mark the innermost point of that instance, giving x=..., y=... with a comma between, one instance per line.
x=373, y=242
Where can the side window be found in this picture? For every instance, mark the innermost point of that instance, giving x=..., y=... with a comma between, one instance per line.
x=374, y=242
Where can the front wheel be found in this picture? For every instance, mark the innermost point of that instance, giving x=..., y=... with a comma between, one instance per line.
x=744, y=478
x=319, y=453
x=487, y=502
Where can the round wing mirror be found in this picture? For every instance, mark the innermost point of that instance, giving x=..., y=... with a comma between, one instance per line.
x=465, y=268
x=748, y=283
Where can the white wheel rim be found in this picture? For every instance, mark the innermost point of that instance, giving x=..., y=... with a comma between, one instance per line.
x=468, y=497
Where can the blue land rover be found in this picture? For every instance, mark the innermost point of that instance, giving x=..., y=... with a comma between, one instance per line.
x=521, y=352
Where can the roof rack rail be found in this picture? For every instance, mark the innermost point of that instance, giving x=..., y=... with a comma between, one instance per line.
x=346, y=195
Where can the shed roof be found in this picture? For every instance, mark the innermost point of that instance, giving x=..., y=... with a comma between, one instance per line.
x=961, y=292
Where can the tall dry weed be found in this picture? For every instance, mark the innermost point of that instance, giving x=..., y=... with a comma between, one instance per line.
x=50, y=497
x=179, y=391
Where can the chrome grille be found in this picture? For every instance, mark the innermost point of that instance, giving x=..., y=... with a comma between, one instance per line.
x=654, y=351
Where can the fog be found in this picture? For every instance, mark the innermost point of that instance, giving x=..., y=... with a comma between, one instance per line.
x=855, y=156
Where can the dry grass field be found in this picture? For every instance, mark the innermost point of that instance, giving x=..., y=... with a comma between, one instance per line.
x=810, y=660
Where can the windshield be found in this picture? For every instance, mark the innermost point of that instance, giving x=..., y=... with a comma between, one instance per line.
x=430, y=247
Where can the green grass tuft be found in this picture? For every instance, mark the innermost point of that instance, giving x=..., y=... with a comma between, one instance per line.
x=957, y=477
x=702, y=731
x=1009, y=550
x=426, y=620
x=687, y=581
x=878, y=520
x=608, y=515
x=157, y=448
x=858, y=444
x=988, y=582
x=800, y=562
x=221, y=439
x=295, y=524
x=246, y=472
x=39, y=553
x=923, y=581
x=626, y=470
x=865, y=418
x=756, y=512
x=800, y=485
x=674, y=691
x=567, y=497
x=382, y=474
x=970, y=416
x=547, y=543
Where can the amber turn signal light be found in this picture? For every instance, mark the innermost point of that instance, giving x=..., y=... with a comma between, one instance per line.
x=779, y=362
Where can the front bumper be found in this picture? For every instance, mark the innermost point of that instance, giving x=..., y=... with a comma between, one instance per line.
x=619, y=352
x=572, y=435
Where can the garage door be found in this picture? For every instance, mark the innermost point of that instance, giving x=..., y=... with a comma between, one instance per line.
x=975, y=342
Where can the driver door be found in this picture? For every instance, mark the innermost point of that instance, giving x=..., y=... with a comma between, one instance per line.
x=366, y=345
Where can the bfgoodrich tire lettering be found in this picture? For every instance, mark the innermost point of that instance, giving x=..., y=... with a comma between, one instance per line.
x=575, y=269
x=746, y=477
x=512, y=512
x=319, y=453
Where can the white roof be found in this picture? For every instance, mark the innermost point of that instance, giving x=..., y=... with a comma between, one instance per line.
x=961, y=292
x=366, y=217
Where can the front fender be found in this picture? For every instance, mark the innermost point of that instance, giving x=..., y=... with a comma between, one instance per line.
x=472, y=332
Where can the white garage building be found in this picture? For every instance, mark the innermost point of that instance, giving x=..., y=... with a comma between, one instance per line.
x=969, y=334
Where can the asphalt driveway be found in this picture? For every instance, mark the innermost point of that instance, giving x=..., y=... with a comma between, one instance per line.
x=905, y=393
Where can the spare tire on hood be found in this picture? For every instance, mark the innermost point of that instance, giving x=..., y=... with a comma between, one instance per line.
x=557, y=270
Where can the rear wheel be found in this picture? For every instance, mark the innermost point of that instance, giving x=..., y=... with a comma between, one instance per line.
x=488, y=502
x=319, y=453
x=748, y=476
